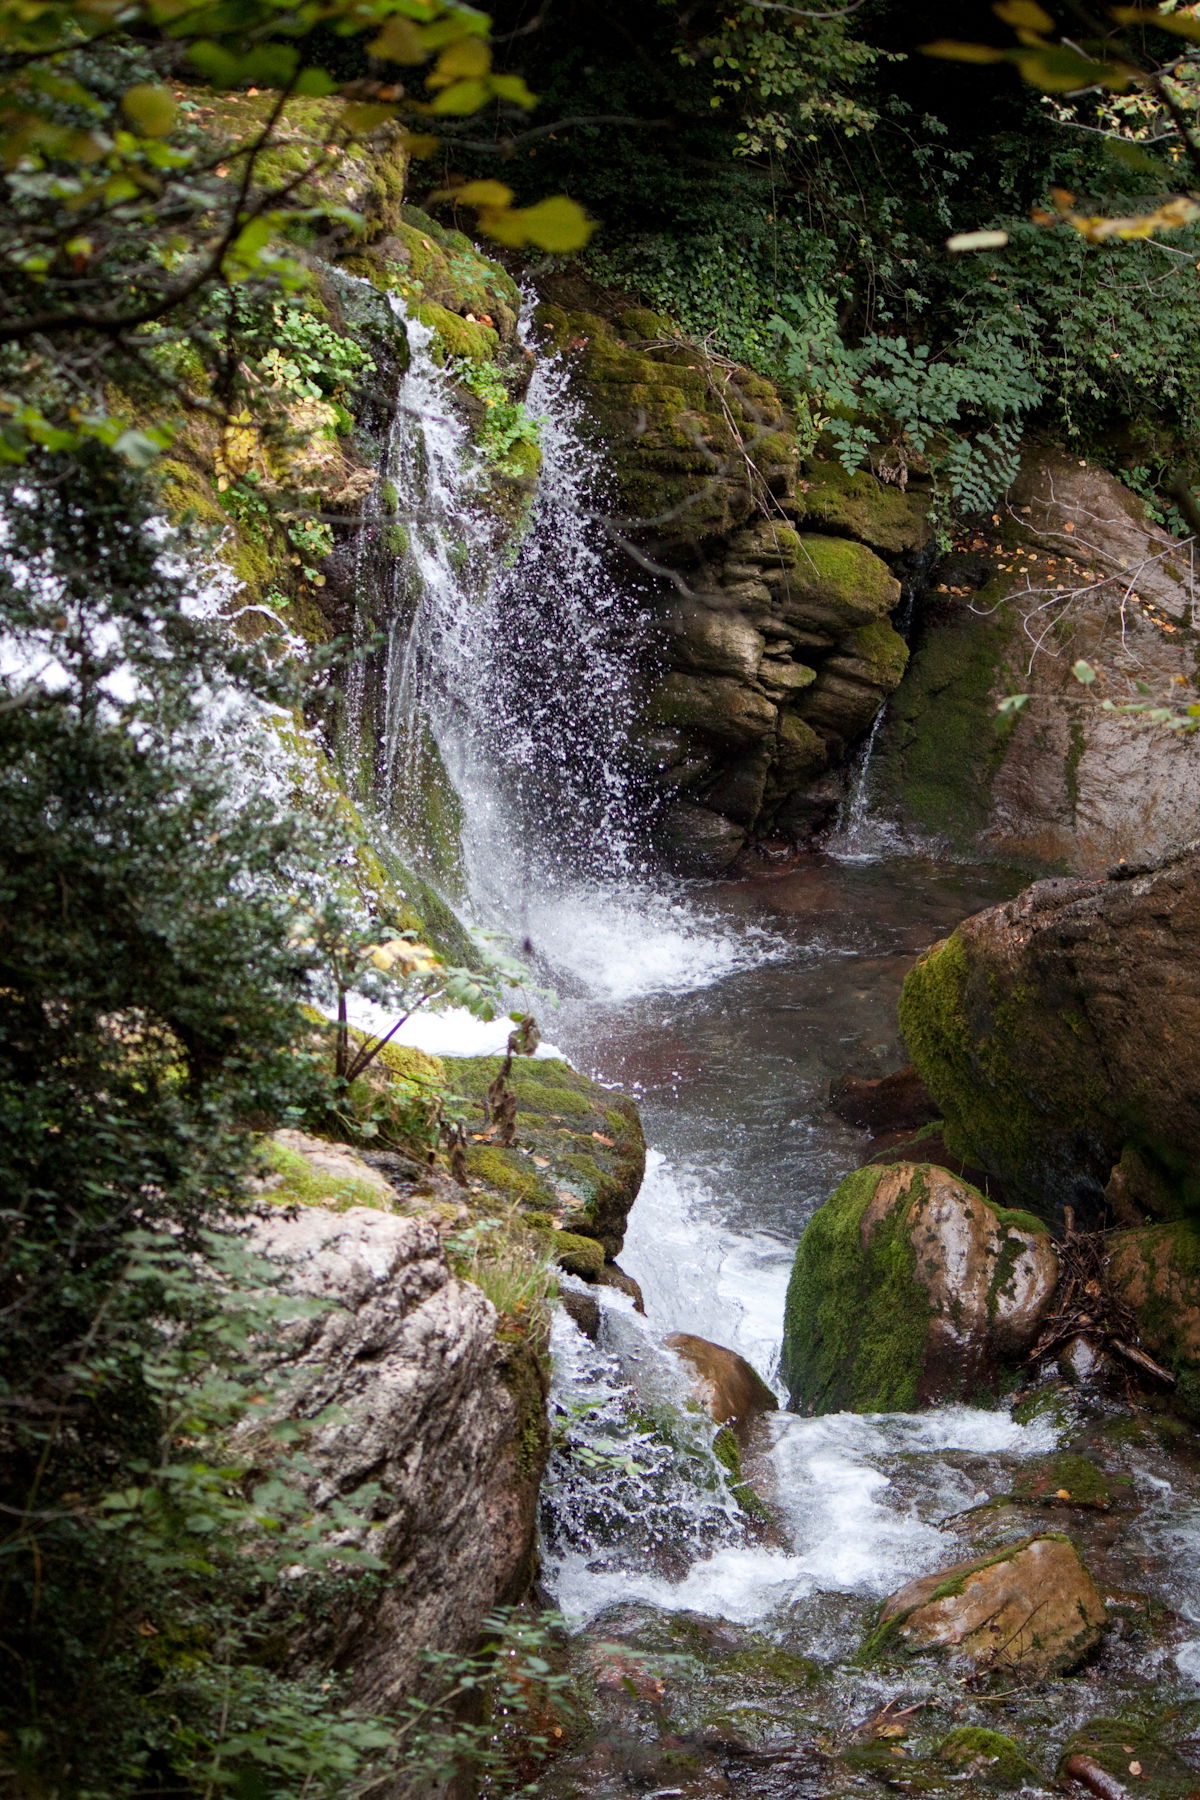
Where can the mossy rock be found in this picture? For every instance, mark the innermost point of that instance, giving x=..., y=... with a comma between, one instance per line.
x=305, y=1171
x=945, y=741
x=910, y=1288
x=1066, y=1479
x=889, y=519
x=988, y=1757
x=834, y=582
x=1155, y=1270
x=582, y=1256
x=1028, y=1608
x=1146, y=1739
x=579, y=1152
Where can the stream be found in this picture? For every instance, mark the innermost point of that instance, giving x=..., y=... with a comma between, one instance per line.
x=714, y=1614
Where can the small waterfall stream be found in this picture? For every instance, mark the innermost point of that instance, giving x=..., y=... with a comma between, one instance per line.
x=726, y=1010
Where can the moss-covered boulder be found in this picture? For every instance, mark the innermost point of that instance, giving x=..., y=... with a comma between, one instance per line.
x=892, y=520
x=302, y=1170
x=1061, y=783
x=910, y=1288
x=1059, y=1036
x=1029, y=1609
x=578, y=1156
x=1155, y=1272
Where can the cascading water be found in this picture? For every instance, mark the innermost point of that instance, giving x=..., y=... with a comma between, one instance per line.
x=728, y=1013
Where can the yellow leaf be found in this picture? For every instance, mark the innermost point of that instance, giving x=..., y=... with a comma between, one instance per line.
x=557, y=224
x=151, y=108
x=977, y=240
x=398, y=42
x=952, y=51
x=467, y=60
x=1023, y=14
x=461, y=97
x=480, y=193
x=1180, y=24
x=359, y=117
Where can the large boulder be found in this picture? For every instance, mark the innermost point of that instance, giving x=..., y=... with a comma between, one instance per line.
x=430, y=1403
x=908, y=1289
x=1059, y=1035
x=1063, y=782
x=1030, y=1609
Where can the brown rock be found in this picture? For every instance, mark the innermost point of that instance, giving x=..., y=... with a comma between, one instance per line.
x=1056, y=1029
x=896, y=1102
x=1155, y=1271
x=732, y=1392
x=1077, y=509
x=1031, y=1609
x=613, y=1275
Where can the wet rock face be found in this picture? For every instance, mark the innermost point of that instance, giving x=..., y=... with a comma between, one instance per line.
x=909, y=1289
x=1031, y=1608
x=1058, y=1035
x=1063, y=782
x=446, y=1418
x=729, y=1389
x=775, y=652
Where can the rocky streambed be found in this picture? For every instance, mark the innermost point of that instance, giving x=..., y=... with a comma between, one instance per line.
x=953, y=1564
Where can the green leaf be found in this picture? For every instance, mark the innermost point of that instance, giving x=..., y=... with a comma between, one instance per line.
x=153, y=109
x=462, y=97
x=1084, y=672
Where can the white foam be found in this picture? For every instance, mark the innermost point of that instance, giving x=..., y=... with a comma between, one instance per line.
x=451, y=1032
x=697, y=1275
x=620, y=943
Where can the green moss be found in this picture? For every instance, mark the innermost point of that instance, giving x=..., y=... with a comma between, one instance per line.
x=838, y=582
x=1062, y=1478
x=581, y=1256
x=1147, y=1738
x=728, y=1453
x=988, y=1756
x=456, y=337
x=502, y=1170
x=965, y=1061
x=856, y=1319
x=884, y=650
x=302, y=1185
x=889, y=520
x=946, y=741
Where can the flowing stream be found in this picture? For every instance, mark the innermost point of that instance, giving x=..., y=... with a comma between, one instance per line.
x=726, y=1009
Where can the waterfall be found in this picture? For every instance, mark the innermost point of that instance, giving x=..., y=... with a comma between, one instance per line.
x=507, y=690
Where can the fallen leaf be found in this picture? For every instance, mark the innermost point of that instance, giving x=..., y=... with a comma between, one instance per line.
x=543, y=1162
x=601, y=1139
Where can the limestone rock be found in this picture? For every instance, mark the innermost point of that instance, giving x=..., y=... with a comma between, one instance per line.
x=309, y=1171
x=1077, y=509
x=1156, y=1272
x=1057, y=1029
x=896, y=1102
x=1062, y=782
x=697, y=840
x=731, y=1391
x=1030, y=1609
x=908, y=1289
x=447, y=1419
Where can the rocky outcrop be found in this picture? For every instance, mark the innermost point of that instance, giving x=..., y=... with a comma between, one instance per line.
x=1058, y=1035
x=908, y=1289
x=1030, y=1609
x=729, y=1389
x=433, y=1406
x=1063, y=781
x=577, y=1159
x=775, y=641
